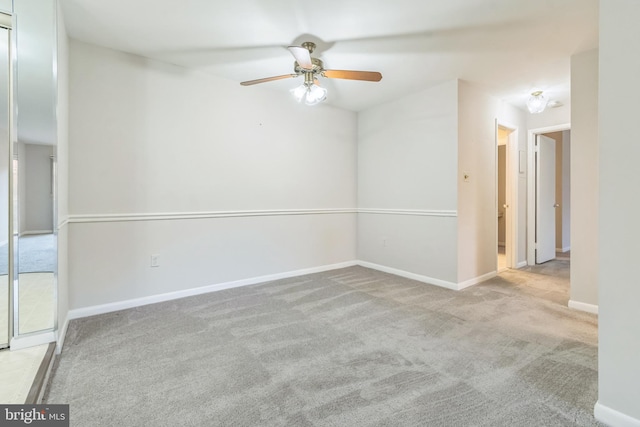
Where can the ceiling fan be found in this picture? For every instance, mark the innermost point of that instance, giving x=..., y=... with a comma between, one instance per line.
x=310, y=91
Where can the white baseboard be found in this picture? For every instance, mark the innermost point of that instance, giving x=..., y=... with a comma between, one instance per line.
x=408, y=275
x=31, y=232
x=521, y=264
x=152, y=299
x=20, y=343
x=613, y=418
x=61, y=334
x=476, y=280
x=565, y=249
x=583, y=306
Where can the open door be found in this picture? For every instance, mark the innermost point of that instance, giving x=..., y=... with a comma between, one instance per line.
x=545, y=199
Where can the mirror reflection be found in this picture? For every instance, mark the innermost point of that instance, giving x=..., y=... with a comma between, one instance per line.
x=34, y=166
x=4, y=187
x=36, y=243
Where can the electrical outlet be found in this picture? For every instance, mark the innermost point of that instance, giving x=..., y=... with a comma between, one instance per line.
x=155, y=260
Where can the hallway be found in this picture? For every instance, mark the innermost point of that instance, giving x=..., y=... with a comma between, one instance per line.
x=549, y=281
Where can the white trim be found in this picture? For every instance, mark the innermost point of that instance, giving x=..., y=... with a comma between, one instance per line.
x=583, y=306
x=476, y=280
x=156, y=216
x=33, y=232
x=408, y=275
x=412, y=212
x=565, y=249
x=200, y=215
x=21, y=342
x=152, y=299
x=612, y=417
x=61, y=334
x=63, y=223
x=521, y=264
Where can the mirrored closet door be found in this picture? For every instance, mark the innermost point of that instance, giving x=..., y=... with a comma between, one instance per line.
x=34, y=167
x=5, y=168
x=28, y=224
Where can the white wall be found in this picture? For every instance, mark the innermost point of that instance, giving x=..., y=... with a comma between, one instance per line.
x=407, y=175
x=419, y=216
x=584, y=176
x=550, y=117
x=37, y=195
x=147, y=137
x=6, y=6
x=477, y=225
x=618, y=225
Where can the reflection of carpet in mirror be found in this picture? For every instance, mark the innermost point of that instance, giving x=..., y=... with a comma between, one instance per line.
x=37, y=254
x=35, y=297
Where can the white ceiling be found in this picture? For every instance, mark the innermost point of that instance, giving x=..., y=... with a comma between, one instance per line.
x=509, y=46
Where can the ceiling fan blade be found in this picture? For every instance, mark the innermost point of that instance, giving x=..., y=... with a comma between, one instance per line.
x=370, y=76
x=268, y=79
x=303, y=57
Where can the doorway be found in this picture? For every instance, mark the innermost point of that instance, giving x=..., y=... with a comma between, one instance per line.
x=549, y=189
x=506, y=188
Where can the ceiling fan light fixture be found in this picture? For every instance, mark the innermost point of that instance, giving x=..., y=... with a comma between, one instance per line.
x=315, y=95
x=537, y=102
x=310, y=94
x=299, y=92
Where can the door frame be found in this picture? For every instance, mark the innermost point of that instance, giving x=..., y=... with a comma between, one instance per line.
x=531, y=186
x=511, y=194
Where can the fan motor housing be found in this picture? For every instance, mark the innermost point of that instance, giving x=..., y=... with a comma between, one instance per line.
x=317, y=67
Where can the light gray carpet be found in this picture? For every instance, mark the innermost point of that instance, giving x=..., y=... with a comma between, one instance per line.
x=37, y=254
x=350, y=347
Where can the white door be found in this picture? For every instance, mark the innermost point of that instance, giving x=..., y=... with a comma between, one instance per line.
x=545, y=199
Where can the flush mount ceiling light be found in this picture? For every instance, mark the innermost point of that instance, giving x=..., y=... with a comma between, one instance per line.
x=310, y=91
x=537, y=102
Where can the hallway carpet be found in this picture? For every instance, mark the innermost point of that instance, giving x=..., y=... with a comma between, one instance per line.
x=349, y=347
